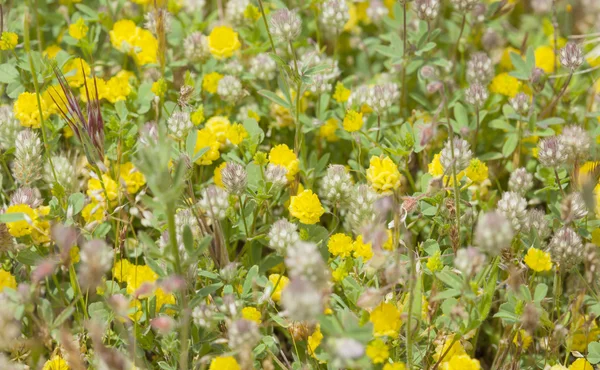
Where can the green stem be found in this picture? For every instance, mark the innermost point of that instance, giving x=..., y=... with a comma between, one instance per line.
x=264, y=17
x=456, y=191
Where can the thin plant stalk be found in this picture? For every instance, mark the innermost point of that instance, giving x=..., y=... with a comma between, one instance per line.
x=264, y=17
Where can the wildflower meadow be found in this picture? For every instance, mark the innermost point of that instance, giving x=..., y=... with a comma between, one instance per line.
x=299, y=185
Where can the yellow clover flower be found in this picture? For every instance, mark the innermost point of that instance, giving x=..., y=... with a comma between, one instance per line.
x=353, y=121
x=206, y=139
x=224, y=363
x=327, y=130
x=340, y=245
x=505, y=84
x=386, y=320
x=23, y=227
x=223, y=41
x=378, y=351
x=27, y=111
x=279, y=283
x=8, y=40
x=461, y=362
x=132, y=178
x=545, y=58
x=383, y=174
x=7, y=280
x=306, y=207
x=477, y=171
x=210, y=82
x=252, y=314
x=538, y=260
x=281, y=155
x=362, y=249
x=78, y=30
x=56, y=363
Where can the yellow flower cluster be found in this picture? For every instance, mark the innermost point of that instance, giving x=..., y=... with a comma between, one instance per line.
x=78, y=30
x=7, y=280
x=77, y=71
x=342, y=245
x=56, y=363
x=223, y=41
x=8, y=40
x=132, y=178
x=252, y=314
x=34, y=223
x=224, y=363
x=383, y=174
x=282, y=155
x=27, y=110
x=505, y=84
x=279, y=282
x=386, y=320
x=210, y=82
x=135, y=41
x=306, y=207
x=327, y=130
x=353, y=121
x=378, y=351
x=538, y=260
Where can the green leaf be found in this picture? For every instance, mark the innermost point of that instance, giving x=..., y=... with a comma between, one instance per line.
x=274, y=98
x=250, y=277
x=8, y=73
x=12, y=217
x=593, y=352
x=460, y=114
x=76, y=202
x=510, y=145
x=540, y=292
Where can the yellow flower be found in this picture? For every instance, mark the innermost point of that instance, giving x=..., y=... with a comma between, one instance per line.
x=121, y=270
x=7, y=280
x=477, y=171
x=522, y=339
x=236, y=133
x=327, y=131
x=53, y=95
x=41, y=227
x=394, y=366
x=314, y=341
x=164, y=298
x=93, y=212
x=219, y=126
x=279, y=283
x=117, y=87
x=210, y=82
x=434, y=263
x=135, y=41
x=545, y=58
x=461, y=362
x=252, y=314
x=137, y=276
x=252, y=13
x=506, y=85
x=386, y=320
x=340, y=245
x=435, y=167
x=306, y=207
x=74, y=254
x=218, y=176
x=538, y=260
x=56, y=363
x=78, y=30
x=389, y=243
x=383, y=174
x=99, y=190
x=206, y=139
x=361, y=249
x=51, y=51
x=581, y=364
x=281, y=155
x=8, y=40
x=341, y=93
x=558, y=367
x=450, y=349
x=198, y=116
x=23, y=227
x=340, y=273
x=27, y=111
x=74, y=71
x=224, y=363
x=353, y=121
x=378, y=351
x=223, y=41
x=132, y=178
x=159, y=87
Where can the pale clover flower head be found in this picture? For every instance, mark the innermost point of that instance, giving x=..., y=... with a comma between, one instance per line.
x=520, y=181
x=476, y=94
x=464, y=5
x=334, y=15
x=195, y=47
x=158, y=19
x=194, y=5
x=427, y=10
x=179, y=124
x=566, y=247
x=469, y=261
x=235, y=178
x=538, y=224
x=359, y=96
x=28, y=196
x=302, y=300
x=520, y=103
x=243, y=333
x=457, y=151
x=493, y=233
x=361, y=208
x=571, y=56
x=573, y=208
x=230, y=89
x=214, y=202
x=234, y=11
x=514, y=208
x=577, y=141
x=9, y=127
x=64, y=170
x=263, y=67
x=553, y=152
x=286, y=25
x=27, y=166
x=377, y=10
x=322, y=81
x=382, y=97
x=96, y=259
x=282, y=236
x=480, y=68
x=336, y=186
x=276, y=175
x=304, y=261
